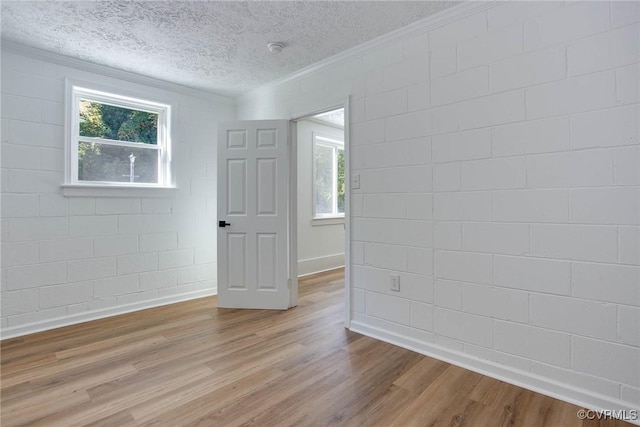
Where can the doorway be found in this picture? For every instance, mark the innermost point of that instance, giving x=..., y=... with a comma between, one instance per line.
x=332, y=125
x=321, y=192
x=258, y=204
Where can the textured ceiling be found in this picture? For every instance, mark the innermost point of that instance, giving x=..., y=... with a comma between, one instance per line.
x=216, y=46
x=334, y=117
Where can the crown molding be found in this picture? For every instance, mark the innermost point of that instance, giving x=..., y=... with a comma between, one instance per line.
x=91, y=67
x=429, y=23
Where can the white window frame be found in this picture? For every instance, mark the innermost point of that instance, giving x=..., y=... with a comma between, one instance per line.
x=336, y=143
x=77, y=91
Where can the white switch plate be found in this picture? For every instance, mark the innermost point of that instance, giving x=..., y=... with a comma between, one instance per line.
x=355, y=181
x=395, y=282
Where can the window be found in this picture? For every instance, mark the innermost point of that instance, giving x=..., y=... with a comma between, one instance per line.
x=117, y=140
x=328, y=177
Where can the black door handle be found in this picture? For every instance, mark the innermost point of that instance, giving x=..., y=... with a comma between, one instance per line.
x=223, y=224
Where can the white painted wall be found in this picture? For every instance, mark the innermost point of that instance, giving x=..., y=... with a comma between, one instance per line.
x=66, y=260
x=500, y=172
x=320, y=247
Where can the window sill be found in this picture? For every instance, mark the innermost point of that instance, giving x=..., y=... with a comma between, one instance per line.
x=328, y=221
x=81, y=190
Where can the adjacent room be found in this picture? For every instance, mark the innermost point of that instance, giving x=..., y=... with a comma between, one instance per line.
x=318, y=213
x=321, y=192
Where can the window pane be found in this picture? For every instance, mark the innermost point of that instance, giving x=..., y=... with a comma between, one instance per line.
x=117, y=123
x=104, y=162
x=341, y=184
x=324, y=179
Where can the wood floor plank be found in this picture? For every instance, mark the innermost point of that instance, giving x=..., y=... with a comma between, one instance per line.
x=31, y=410
x=192, y=364
x=51, y=370
x=79, y=380
x=421, y=375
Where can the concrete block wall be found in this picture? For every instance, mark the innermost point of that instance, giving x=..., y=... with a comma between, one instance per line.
x=70, y=259
x=500, y=178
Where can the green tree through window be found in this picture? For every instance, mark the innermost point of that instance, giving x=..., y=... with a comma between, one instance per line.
x=329, y=177
x=105, y=162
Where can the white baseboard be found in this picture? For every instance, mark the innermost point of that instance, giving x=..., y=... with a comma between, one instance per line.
x=45, y=325
x=543, y=385
x=320, y=264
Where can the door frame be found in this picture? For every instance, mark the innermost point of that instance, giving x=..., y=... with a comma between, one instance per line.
x=293, y=203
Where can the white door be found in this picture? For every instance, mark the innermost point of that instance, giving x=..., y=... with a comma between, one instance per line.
x=253, y=172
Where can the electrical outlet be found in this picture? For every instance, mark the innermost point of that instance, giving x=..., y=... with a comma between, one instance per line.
x=395, y=282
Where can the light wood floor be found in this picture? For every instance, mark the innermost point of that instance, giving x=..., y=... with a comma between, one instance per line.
x=194, y=364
